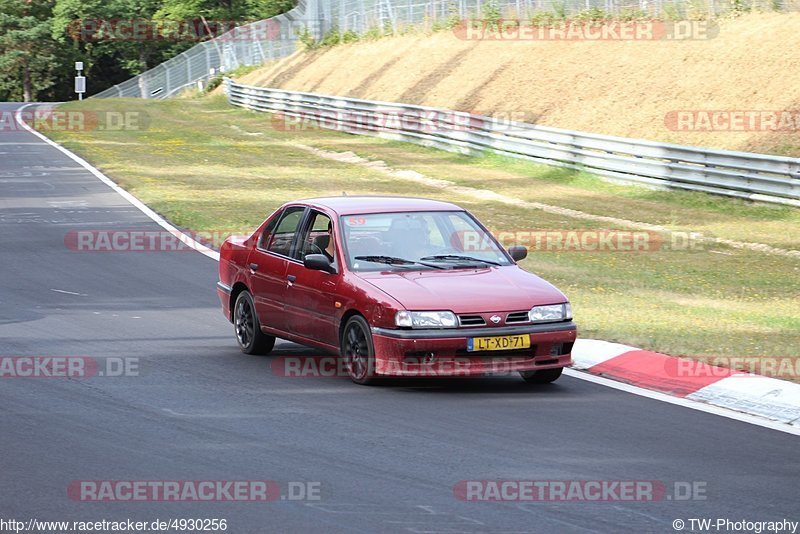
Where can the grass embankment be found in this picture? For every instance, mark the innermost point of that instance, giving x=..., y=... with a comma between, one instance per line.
x=209, y=167
x=615, y=87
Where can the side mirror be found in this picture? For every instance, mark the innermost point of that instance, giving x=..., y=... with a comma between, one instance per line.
x=518, y=252
x=318, y=262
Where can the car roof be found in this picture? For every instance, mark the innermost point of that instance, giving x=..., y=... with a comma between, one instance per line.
x=347, y=205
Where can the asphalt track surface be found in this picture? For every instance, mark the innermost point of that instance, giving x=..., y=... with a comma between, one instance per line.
x=387, y=458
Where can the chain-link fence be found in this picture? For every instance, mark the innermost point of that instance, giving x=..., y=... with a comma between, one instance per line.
x=277, y=37
x=251, y=44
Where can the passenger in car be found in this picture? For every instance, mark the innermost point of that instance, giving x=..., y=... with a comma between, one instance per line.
x=329, y=249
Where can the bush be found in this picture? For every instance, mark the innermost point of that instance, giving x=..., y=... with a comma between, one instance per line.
x=671, y=11
x=307, y=38
x=350, y=37
x=593, y=14
x=492, y=16
x=630, y=14
x=372, y=34
x=543, y=19
x=560, y=9
x=696, y=10
x=332, y=38
x=739, y=7
x=213, y=83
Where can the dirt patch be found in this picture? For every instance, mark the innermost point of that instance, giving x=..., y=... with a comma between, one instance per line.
x=625, y=88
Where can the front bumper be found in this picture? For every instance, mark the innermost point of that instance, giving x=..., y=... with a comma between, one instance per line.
x=444, y=352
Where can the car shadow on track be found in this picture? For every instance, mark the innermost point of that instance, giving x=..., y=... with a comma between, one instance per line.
x=476, y=385
x=510, y=383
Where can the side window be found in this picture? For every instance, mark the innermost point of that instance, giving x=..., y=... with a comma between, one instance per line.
x=281, y=240
x=315, y=238
x=266, y=234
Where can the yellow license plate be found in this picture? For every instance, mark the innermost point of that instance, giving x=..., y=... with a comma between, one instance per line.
x=522, y=341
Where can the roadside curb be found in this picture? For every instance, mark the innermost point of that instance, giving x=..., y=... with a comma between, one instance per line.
x=770, y=398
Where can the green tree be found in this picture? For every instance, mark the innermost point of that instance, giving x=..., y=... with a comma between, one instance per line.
x=90, y=28
x=28, y=56
x=229, y=10
x=264, y=9
x=209, y=9
x=40, y=40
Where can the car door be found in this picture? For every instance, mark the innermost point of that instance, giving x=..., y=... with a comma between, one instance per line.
x=268, y=264
x=311, y=294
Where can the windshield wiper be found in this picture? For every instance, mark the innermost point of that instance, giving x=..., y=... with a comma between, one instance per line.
x=455, y=257
x=391, y=260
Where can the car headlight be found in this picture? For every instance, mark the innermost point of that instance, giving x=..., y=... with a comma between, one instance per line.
x=546, y=314
x=426, y=319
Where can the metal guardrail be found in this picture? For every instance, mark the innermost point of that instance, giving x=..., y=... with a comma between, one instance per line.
x=760, y=177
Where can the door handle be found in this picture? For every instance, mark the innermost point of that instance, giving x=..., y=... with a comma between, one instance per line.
x=291, y=278
x=253, y=266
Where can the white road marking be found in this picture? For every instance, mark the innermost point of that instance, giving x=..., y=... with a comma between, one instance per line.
x=18, y=144
x=69, y=292
x=214, y=255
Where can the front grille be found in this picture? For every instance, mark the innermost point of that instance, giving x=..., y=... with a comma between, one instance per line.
x=517, y=317
x=471, y=320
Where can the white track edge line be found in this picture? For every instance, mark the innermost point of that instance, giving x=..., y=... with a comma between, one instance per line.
x=686, y=403
x=155, y=217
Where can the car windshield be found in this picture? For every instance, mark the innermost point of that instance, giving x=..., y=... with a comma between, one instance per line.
x=418, y=240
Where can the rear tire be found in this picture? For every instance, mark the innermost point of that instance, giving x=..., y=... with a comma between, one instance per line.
x=545, y=376
x=358, y=351
x=247, y=328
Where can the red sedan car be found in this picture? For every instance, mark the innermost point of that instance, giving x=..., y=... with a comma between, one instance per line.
x=397, y=287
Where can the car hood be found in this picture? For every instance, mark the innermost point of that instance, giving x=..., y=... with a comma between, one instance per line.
x=507, y=288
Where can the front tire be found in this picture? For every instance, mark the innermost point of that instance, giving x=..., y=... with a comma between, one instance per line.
x=358, y=351
x=247, y=328
x=545, y=376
